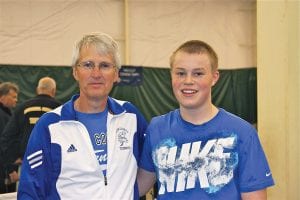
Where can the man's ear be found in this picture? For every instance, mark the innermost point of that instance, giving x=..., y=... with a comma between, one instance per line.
x=75, y=73
x=117, y=77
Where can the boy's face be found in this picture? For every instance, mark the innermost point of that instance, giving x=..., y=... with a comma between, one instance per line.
x=192, y=80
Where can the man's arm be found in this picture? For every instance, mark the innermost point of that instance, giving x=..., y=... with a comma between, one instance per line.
x=145, y=181
x=256, y=195
x=35, y=179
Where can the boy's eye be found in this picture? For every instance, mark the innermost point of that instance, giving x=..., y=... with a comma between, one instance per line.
x=198, y=73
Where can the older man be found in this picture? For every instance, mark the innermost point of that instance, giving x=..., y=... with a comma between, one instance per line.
x=8, y=100
x=89, y=147
x=14, y=138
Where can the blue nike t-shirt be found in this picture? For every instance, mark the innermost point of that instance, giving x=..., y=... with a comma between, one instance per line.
x=217, y=160
x=96, y=126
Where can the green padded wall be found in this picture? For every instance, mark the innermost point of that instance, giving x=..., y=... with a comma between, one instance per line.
x=235, y=90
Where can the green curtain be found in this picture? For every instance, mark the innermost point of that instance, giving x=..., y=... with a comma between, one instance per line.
x=27, y=78
x=235, y=91
x=153, y=97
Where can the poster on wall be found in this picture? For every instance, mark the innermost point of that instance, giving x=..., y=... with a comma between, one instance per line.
x=130, y=75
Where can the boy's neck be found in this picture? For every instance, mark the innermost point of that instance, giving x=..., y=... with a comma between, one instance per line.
x=199, y=116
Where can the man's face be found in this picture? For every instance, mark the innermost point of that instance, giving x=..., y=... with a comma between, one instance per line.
x=95, y=83
x=192, y=80
x=10, y=100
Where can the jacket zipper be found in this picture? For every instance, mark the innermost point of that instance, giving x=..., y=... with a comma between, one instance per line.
x=105, y=180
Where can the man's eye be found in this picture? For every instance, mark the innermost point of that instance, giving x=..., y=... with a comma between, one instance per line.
x=104, y=65
x=180, y=73
x=88, y=65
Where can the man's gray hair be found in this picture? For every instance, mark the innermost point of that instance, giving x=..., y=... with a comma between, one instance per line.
x=104, y=44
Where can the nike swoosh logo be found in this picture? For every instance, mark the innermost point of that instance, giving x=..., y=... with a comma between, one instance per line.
x=268, y=174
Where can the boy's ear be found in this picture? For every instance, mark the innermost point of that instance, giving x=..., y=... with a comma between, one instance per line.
x=216, y=76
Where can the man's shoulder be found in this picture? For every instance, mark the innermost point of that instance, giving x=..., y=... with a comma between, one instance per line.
x=119, y=106
x=2, y=111
x=43, y=98
x=4, y=116
x=52, y=116
x=38, y=101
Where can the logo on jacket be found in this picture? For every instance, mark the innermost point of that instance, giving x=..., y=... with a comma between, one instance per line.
x=35, y=159
x=123, y=138
x=72, y=148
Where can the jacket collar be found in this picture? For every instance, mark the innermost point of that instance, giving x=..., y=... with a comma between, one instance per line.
x=68, y=112
x=5, y=109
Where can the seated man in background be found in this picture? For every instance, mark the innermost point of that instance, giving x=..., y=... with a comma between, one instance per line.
x=14, y=138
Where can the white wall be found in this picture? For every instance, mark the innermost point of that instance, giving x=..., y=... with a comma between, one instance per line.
x=278, y=91
x=42, y=32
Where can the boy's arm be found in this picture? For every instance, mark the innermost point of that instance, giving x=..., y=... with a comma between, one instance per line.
x=256, y=195
x=145, y=181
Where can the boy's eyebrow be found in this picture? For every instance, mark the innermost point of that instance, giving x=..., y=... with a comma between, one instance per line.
x=198, y=69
